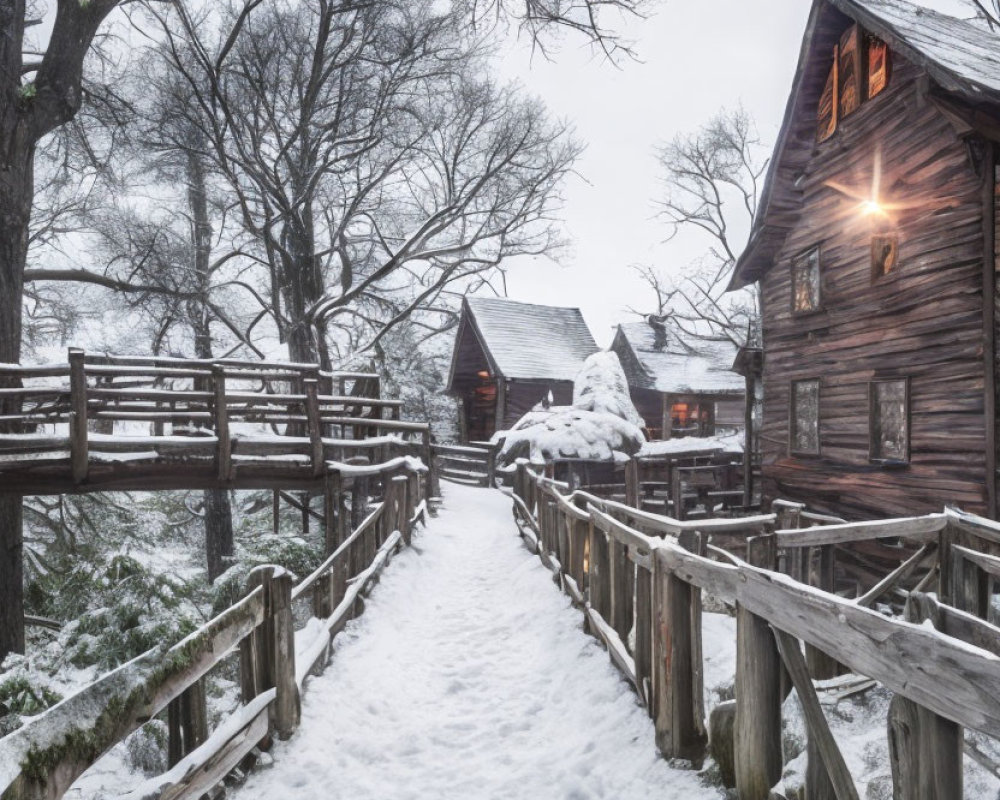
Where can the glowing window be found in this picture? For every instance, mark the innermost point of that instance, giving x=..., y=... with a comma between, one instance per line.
x=806, y=282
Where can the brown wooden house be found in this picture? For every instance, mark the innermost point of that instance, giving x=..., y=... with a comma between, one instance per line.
x=875, y=250
x=509, y=356
x=677, y=388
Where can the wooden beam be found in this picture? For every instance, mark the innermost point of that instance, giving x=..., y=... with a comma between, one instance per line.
x=819, y=729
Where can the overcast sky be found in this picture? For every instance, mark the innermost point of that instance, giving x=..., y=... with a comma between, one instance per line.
x=697, y=56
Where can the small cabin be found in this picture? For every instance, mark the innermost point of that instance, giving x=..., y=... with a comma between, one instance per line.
x=875, y=251
x=679, y=389
x=509, y=356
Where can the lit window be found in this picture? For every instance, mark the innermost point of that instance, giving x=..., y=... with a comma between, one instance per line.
x=859, y=70
x=805, y=417
x=805, y=282
x=890, y=420
x=885, y=254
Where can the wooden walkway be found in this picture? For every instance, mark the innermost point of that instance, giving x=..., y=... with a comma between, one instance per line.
x=100, y=423
x=469, y=676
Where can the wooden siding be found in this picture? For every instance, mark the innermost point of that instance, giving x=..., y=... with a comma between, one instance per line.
x=924, y=321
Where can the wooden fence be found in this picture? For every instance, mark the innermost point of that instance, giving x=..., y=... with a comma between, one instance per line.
x=112, y=422
x=632, y=571
x=469, y=464
x=43, y=757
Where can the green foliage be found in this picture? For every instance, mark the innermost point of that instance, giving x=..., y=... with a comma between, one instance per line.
x=135, y=610
x=27, y=91
x=23, y=691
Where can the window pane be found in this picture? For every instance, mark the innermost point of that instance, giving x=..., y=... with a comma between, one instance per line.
x=805, y=281
x=885, y=254
x=889, y=420
x=850, y=72
x=805, y=416
x=878, y=66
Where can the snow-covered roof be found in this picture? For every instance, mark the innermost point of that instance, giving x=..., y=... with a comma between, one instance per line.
x=674, y=367
x=962, y=56
x=530, y=341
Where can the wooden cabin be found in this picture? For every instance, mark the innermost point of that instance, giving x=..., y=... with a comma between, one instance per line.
x=875, y=251
x=509, y=356
x=677, y=388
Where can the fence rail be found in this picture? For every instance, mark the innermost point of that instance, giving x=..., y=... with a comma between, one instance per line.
x=633, y=572
x=43, y=757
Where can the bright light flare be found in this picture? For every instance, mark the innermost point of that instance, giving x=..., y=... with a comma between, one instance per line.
x=873, y=208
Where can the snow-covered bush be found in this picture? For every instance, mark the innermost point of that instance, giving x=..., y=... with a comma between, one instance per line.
x=601, y=425
x=601, y=386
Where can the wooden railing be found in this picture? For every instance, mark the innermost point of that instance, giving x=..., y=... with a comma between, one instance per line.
x=633, y=571
x=118, y=422
x=43, y=757
x=471, y=464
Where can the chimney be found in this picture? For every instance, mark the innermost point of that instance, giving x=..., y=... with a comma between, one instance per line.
x=659, y=326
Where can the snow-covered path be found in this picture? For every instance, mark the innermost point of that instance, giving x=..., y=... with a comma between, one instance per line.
x=469, y=676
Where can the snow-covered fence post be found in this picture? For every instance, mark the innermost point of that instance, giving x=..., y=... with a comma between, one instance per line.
x=758, y=691
x=78, y=414
x=677, y=492
x=287, y=708
x=254, y=654
x=223, y=447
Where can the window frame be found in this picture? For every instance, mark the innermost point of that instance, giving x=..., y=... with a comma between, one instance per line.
x=878, y=277
x=907, y=417
x=793, y=418
x=818, y=249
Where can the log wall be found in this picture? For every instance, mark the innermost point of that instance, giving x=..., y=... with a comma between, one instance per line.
x=923, y=321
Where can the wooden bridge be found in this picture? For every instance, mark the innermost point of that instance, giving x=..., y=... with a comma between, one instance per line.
x=99, y=423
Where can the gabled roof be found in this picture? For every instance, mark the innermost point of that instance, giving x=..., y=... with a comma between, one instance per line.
x=527, y=341
x=961, y=57
x=675, y=368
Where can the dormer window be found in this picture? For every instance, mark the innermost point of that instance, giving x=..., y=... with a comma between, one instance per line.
x=859, y=71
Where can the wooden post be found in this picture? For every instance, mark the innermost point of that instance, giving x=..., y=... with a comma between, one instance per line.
x=224, y=446
x=313, y=426
x=78, y=415
x=632, y=482
x=679, y=734
x=748, y=401
x=758, y=692
x=925, y=750
x=491, y=467
x=644, y=634
x=697, y=543
x=399, y=486
x=621, y=605
x=187, y=722
x=287, y=708
x=599, y=580
x=821, y=665
x=276, y=512
x=677, y=492
x=249, y=672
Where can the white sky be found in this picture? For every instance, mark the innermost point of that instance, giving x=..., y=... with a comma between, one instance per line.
x=697, y=56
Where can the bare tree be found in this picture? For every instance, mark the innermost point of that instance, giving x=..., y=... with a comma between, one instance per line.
x=988, y=11
x=713, y=179
x=362, y=156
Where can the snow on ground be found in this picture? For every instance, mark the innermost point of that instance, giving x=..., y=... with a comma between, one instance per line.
x=469, y=675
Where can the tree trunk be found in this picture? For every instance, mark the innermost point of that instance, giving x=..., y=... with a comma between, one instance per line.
x=218, y=532
x=218, y=510
x=16, y=188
